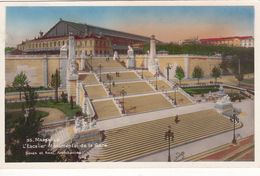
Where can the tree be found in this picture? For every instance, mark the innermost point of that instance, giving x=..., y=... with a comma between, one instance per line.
x=55, y=83
x=215, y=73
x=179, y=74
x=25, y=133
x=197, y=73
x=19, y=83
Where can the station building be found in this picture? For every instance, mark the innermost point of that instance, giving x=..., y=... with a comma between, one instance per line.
x=94, y=40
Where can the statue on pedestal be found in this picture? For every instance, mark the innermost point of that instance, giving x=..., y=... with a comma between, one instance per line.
x=82, y=60
x=130, y=58
x=115, y=57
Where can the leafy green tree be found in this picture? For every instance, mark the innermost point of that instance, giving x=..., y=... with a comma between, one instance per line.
x=25, y=132
x=215, y=73
x=55, y=83
x=19, y=83
x=179, y=74
x=197, y=73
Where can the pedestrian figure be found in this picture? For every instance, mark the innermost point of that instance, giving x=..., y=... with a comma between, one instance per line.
x=113, y=83
x=177, y=119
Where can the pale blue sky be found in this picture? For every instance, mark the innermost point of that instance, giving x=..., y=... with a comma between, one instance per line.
x=167, y=23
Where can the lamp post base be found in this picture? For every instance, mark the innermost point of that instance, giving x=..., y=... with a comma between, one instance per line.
x=234, y=141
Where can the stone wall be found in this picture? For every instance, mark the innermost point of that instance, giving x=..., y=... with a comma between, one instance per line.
x=205, y=63
x=32, y=66
x=39, y=68
x=187, y=62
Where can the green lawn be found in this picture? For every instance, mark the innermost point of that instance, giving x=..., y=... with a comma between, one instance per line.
x=248, y=81
x=11, y=118
x=64, y=107
x=200, y=90
x=12, y=89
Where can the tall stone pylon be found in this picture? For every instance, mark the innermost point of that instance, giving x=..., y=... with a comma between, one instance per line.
x=153, y=62
x=63, y=65
x=72, y=66
x=72, y=72
x=152, y=47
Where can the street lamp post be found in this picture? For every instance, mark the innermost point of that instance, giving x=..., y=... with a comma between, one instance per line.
x=175, y=98
x=156, y=78
x=168, y=68
x=100, y=66
x=234, y=119
x=123, y=93
x=91, y=68
x=169, y=135
x=110, y=78
x=142, y=67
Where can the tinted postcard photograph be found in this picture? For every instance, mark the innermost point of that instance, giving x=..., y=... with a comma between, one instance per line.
x=129, y=84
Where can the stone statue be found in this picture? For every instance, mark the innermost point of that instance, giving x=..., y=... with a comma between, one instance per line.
x=81, y=124
x=115, y=57
x=225, y=99
x=64, y=47
x=82, y=60
x=130, y=58
x=130, y=52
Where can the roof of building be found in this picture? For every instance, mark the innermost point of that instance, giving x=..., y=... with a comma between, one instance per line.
x=226, y=38
x=92, y=36
x=82, y=28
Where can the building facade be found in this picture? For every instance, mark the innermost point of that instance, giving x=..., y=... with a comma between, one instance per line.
x=94, y=40
x=236, y=41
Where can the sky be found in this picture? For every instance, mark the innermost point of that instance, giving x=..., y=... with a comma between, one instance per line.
x=167, y=23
